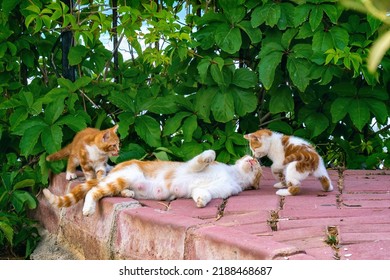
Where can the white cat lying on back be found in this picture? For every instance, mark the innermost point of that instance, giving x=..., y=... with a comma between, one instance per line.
x=201, y=178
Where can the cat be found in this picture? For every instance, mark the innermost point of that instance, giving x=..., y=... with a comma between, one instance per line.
x=293, y=159
x=90, y=149
x=201, y=178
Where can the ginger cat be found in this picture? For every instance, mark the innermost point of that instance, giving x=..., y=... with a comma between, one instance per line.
x=293, y=159
x=201, y=178
x=90, y=150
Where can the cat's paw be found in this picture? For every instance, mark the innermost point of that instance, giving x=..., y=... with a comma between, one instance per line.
x=88, y=210
x=89, y=205
x=200, y=203
x=283, y=192
x=70, y=176
x=127, y=193
x=279, y=185
x=207, y=156
x=330, y=188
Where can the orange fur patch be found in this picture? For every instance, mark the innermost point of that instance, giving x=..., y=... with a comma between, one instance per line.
x=169, y=177
x=294, y=190
x=257, y=180
x=305, y=155
x=325, y=183
x=254, y=137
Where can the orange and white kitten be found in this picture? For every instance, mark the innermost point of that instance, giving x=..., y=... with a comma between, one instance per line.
x=201, y=178
x=90, y=150
x=293, y=159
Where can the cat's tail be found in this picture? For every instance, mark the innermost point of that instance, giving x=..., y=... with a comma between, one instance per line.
x=119, y=186
x=74, y=196
x=61, y=154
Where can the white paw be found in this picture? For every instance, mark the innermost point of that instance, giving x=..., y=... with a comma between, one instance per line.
x=283, y=192
x=330, y=188
x=127, y=193
x=70, y=176
x=89, y=205
x=200, y=202
x=88, y=211
x=279, y=185
x=208, y=156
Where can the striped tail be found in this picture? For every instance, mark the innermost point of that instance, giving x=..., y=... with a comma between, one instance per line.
x=61, y=154
x=74, y=196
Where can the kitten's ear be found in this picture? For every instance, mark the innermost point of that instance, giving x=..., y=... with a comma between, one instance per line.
x=247, y=136
x=106, y=136
x=115, y=128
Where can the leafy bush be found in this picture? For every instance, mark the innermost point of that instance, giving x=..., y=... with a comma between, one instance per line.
x=233, y=66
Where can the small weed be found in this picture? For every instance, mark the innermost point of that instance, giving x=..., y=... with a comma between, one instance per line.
x=273, y=220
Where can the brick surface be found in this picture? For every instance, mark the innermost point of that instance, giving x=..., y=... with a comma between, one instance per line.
x=146, y=233
x=235, y=228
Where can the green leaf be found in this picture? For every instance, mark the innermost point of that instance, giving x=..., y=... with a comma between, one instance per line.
x=131, y=151
x=82, y=82
x=54, y=110
x=228, y=38
x=233, y=10
x=126, y=119
x=189, y=126
x=7, y=231
x=331, y=12
x=68, y=84
x=282, y=127
x=339, y=108
x=281, y=100
x=301, y=14
x=202, y=67
x=315, y=17
x=149, y=130
x=205, y=36
x=340, y=37
x=30, y=139
x=317, y=123
x=269, y=13
x=244, y=78
x=51, y=138
x=322, y=41
x=203, y=100
x=77, y=54
x=173, y=123
x=298, y=69
x=21, y=199
x=379, y=109
x=223, y=107
x=359, y=113
x=24, y=184
x=55, y=93
x=244, y=101
x=286, y=16
x=161, y=105
x=267, y=68
x=76, y=122
x=254, y=34
x=123, y=101
x=217, y=75
x=27, y=124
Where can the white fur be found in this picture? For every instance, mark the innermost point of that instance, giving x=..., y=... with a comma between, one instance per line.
x=200, y=178
x=95, y=155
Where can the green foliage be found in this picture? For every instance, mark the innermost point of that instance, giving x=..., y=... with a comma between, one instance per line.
x=184, y=85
